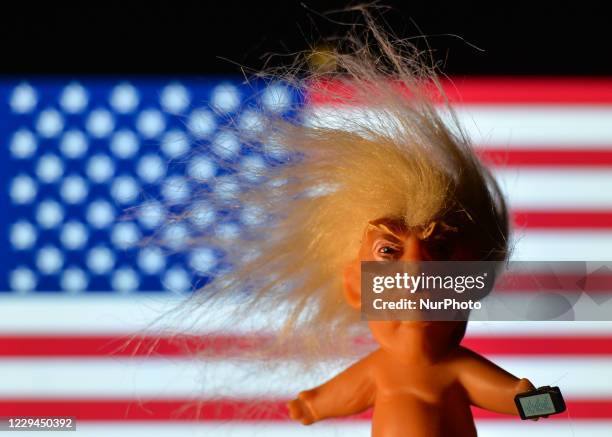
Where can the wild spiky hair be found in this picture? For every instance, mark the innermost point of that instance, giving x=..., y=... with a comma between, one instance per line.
x=388, y=146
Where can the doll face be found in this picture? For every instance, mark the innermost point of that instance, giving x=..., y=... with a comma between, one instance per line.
x=389, y=240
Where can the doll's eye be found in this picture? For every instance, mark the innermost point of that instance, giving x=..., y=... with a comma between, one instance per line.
x=388, y=251
x=384, y=249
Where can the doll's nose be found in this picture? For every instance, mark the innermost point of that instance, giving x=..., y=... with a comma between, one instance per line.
x=412, y=249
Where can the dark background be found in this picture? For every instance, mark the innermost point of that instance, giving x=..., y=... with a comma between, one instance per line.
x=193, y=37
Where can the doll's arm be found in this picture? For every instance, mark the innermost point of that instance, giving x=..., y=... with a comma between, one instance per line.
x=349, y=392
x=488, y=385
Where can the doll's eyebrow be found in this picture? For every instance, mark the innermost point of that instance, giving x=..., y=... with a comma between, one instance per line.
x=436, y=227
x=392, y=239
x=428, y=230
x=381, y=227
x=422, y=233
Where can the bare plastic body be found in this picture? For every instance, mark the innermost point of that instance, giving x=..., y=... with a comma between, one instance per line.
x=420, y=382
x=414, y=399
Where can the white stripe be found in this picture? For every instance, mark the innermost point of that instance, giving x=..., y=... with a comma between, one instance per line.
x=544, y=428
x=544, y=188
x=83, y=314
x=154, y=377
x=556, y=188
x=500, y=126
x=531, y=125
x=124, y=316
x=562, y=246
x=541, y=328
x=151, y=377
x=217, y=429
x=506, y=428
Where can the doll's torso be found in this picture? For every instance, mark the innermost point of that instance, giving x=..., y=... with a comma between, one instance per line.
x=419, y=401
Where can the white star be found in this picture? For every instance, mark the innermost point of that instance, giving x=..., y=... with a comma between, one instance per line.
x=176, y=189
x=125, y=279
x=23, y=144
x=74, y=280
x=23, y=189
x=100, y=123
x=225, y=98
x=124, y=189
x=151, y=168
x=49, y=260
x=73, y=144
x=125, y=235
x=23, y=99
x=151, y=260
x=175, y=143
x=202, y=260
x=22, y=279
x=74, y=235
x=22, y=235
x=226, y=145
x=50, y=123
x=177, y=280
x=74, y=98
x=73, y=189
x=124, y=144
x=100, y=168
x=276, y=98
x=124, y=98
x=100, y=260
x=201, y=123
x=150, y=123
x=151, y=214
x=100, y=214
x=49, y=168
x=49, y=214
x=201, y=168
x=174, y=98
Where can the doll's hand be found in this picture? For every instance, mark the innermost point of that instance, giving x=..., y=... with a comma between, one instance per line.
x=300, y=410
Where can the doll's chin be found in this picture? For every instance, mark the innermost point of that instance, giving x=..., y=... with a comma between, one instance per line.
x=416, y=323
x=395, y=325
x=396, y=332
x=413, y=324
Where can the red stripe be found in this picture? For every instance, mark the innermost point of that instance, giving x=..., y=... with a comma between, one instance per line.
x=539, y=346
x=224, y=346
x=495, y=90
x=228, y=410
x=599, y=409
x=530, y=90
x=44, y=346
x=562, y=219
x=534, y=157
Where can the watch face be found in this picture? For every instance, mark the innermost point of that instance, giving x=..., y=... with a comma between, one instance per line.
x=537, y=405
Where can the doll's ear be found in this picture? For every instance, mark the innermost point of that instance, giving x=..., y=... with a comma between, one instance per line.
x=352, y=284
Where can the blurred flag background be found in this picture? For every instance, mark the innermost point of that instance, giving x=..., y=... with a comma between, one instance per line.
x=91, y=168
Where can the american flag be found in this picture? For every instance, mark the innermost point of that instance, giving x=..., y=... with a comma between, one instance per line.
x=88, y=169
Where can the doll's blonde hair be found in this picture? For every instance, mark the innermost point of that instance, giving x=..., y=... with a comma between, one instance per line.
x=388, y=145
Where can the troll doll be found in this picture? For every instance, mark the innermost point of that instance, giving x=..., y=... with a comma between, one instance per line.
x=380, y=171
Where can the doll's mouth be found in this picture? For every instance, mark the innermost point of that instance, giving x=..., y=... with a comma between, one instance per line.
x=415, y=323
